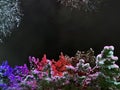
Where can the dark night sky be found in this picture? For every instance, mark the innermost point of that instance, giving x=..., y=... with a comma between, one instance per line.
x=49, y=28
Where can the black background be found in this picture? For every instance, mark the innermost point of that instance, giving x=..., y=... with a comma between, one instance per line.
x=50, y=28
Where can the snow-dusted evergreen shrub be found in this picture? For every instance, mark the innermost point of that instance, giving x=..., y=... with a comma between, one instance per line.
x=81, y=72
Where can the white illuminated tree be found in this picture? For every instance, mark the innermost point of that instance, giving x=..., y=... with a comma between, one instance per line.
x=83, y=5
x=10, y=17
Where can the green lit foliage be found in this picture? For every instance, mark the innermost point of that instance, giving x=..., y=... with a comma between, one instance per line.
x=108, y=78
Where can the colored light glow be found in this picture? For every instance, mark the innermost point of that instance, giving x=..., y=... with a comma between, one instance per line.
x=44, y=73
